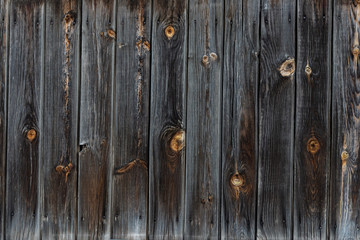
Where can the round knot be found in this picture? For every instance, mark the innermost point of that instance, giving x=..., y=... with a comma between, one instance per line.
x=356, y=50
x=213, y=56
x=177, y=141
x=205, y=60
x=313, y=145
x=287, y=68
x=236, y=180
x=344, y=155
x=169, y=32
x=308, y=70
x=31, y=135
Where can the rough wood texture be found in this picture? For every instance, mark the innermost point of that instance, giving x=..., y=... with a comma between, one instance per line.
x=131, y=120
x=239, y=146
x=60, y=124
x=25, y=131
x=168, y=116
x=276, y=119
x=345, y=170
x=97, y=55
x=312, y=133
x=203, y=139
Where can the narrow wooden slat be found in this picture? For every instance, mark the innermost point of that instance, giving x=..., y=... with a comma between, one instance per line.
x=25, y=131
x=60, y=120
x=345, y=168
x=3, y=120
x=312, y=133
x=276, y=116
x=168, y=119
x=203, y=138
x=239, y=125
x=97, y=62
x=131, y=117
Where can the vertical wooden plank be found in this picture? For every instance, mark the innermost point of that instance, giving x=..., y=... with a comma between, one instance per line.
x=345, y=170
x=239, y=125
x=60, y=120
x=4, y=34
x=203, y=139
x=168, y=119
x=24, y=134
x=276, y=116
x=97, y=56
x=312, y=133
x=131, y=118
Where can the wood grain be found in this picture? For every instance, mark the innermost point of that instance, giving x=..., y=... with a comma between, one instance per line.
x=203, y=139
x=95, y=162
x=312, y=130
x=60, y=120
x=276, y=119
x=25, y=133
x=345, y=182
x=168, y=119
x=239, y=124
x=131, y=120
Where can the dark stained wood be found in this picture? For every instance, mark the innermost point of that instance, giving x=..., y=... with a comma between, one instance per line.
x=312, y=130
x=241, y=48
x=168, y=119
x=276, y=119
x=97, y=66
x=25, y=131
x=203, y=138
x=60, y=123
x=4, y=35
x=131, y=120
x=345, y=170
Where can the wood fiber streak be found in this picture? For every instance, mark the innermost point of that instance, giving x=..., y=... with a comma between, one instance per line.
x=168, y=119
x=203, y=139
x=131, y=117
x=345, y=168
x=24, y=134
x=312, y=133
x=97, y=63
x=60, y=120
x=241, y=48
x=276, y=119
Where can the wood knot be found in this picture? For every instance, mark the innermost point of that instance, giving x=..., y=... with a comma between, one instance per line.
x=313, y=145
x=356, y=50
x=31, y=135
x=61, y=169
x=177, y=142
x=213, y=56
x=205, y=60
x=110, y=33
x=236, y=180
x=308, y=70
x=169, y=32
x=344, y=155
x=287, y=68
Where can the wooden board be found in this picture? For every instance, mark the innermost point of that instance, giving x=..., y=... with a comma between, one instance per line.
x=239, y=124
x=276, y=119
x=97, y=55
x=131, y=120
x=312, y=130
x=345, y=168
x=60, y=124
x=168, y=119
x=203, y=138
x=25, y=131
x=4, y=35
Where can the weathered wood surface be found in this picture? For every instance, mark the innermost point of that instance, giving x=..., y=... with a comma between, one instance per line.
x=345, y=170
x=131, y=120
x=60, y=104
x=239, y=126
x=312, y=131
x=276, y=119
x=24, y=134
x=97, y=73
x=168, y=119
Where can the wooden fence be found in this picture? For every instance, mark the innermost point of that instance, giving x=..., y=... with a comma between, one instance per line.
x=179, y=119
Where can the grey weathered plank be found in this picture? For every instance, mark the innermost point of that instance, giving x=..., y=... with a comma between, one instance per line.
x=168, y=119
x=4, y=34
x=276, y=119
x=345, y=170
x=97, y=64
x=131, y=120
x=25, y=131
x=312, y=130
x=60, y=103
x=203, y=138
x=239, y=124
